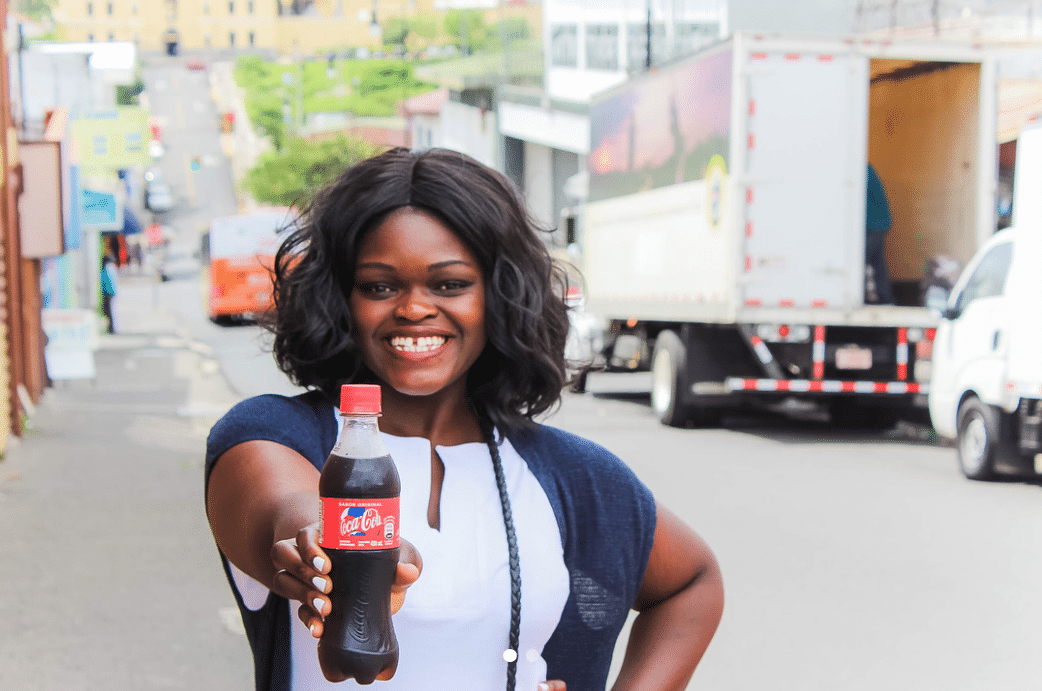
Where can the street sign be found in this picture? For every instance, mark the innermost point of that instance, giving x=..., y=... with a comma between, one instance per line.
x=101, y=210
x=72, y=338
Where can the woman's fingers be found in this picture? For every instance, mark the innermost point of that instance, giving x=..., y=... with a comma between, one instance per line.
x=302, y=576
x=409, y=567
x=552, y=685
x=314, y=623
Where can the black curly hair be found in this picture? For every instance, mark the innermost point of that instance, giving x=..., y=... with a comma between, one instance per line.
x=522, y=370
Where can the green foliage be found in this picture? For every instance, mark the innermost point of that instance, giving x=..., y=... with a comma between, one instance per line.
x=362, y=87
x=127, y=94
x=36, y=9
x=424, y=26
x=395, y=30
x=291, y=176
x=467, y=29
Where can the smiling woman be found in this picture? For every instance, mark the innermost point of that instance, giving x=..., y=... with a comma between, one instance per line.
x=422, y=273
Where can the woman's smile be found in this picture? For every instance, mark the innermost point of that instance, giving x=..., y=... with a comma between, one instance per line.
x=426, y=345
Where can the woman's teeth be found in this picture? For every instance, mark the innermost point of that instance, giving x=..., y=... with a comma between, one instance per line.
x=417, y=345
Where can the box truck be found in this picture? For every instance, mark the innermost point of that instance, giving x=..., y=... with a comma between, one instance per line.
x=723, y=236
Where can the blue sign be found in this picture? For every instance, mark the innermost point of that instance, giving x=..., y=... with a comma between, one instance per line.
x=99, y=208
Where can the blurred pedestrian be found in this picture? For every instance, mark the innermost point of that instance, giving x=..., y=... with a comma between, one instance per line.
x=109, y=287
x=423, y=273
x=877, y=225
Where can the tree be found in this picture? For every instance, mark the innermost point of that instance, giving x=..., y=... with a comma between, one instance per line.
x=395, y=31
x=467, y=28
x=291, y=176
x=425, y=27
x=36, y=9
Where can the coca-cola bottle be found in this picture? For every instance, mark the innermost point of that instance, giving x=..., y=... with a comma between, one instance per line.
x=359, y=490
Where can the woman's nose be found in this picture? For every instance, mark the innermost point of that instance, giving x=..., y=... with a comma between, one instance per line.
x=415, y=305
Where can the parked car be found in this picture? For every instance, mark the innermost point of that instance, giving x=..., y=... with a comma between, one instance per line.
x=159, y=198
x=986, y=383
x=196, y=65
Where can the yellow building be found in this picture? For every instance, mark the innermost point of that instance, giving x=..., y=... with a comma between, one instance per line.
x=289, y=26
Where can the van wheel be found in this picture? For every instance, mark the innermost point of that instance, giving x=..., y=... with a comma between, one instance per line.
x=978, y=439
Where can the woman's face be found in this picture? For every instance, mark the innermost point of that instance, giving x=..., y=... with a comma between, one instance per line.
x=418, y=303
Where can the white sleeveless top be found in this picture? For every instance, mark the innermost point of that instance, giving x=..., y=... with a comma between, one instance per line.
x=454, y=626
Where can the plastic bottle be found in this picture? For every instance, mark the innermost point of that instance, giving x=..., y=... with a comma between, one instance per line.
x=359, y=490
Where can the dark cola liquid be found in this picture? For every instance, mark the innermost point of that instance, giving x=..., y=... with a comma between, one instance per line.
x=358, y=640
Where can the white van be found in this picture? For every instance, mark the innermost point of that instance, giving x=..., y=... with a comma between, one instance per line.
x=986, y=384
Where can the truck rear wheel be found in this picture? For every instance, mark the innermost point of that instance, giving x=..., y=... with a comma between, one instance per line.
x=978, y=440
x=667, y=366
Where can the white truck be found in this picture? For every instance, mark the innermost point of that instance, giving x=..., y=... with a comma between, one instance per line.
x=723, y=237
x=986, y=388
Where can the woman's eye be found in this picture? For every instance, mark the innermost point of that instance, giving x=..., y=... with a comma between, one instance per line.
x=453, y=286
x=374, y=289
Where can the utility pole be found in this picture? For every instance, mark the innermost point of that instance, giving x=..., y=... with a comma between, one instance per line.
x=647, y=62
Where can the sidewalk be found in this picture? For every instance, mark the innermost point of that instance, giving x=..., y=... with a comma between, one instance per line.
x=110, y=576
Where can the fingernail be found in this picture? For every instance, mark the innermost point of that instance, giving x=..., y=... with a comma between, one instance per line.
x=319, y=603
x=319, y=563
x=312, y=629
x=543, y=687
x=320, y=583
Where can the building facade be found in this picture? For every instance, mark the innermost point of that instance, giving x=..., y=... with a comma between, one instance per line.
x=297, y=26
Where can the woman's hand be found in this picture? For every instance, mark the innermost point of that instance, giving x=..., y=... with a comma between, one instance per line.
x=303, y=570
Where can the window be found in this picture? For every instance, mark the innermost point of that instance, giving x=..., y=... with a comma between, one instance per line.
x=90, y=37
x=90, y=9
x=692, y=36
x=207, y=40
x=110, y=9
x=231, y=39
x=249, y=7
x=602, y=46
x=989, y=278
x=251, y=38
x=206, y=8
x=112, y=37
x=133, y=9
x=564, y=45
x=231, y=6
x=637, y=45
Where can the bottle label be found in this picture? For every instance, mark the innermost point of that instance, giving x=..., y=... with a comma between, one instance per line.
x=361, y=524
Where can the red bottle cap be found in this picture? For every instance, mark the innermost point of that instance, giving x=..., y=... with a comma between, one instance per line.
x=360, y=399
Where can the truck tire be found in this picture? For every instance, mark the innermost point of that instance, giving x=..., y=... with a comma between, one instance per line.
x=979, y=430
x=667, y=368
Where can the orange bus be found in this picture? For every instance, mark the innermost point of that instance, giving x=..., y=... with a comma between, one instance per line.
x=238, y=253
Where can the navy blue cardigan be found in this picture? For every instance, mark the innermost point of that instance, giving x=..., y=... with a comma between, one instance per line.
x=605, y=514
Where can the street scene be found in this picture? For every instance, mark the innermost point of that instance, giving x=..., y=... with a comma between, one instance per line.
x=816, y=416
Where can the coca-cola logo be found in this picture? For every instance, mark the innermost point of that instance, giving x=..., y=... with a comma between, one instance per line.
x=352, y=523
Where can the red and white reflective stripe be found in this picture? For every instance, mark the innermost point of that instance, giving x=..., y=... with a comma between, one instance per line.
x=818, y=352
x=825, y=386
x=902, y=354
x=762, y=351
